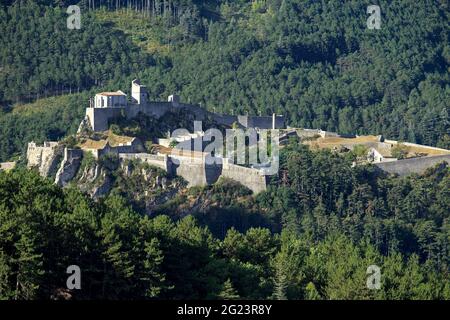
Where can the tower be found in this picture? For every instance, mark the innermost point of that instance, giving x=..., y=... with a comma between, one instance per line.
x=175, y=99
x=138, y=92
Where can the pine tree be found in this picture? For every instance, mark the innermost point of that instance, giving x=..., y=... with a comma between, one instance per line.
x=311, y=292
x=5, y=273
x=280, y=284
x=228, y=292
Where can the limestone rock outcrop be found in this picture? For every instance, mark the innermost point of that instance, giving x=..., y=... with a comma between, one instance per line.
x=85, y=126
x=69, y=166
x=103, y=188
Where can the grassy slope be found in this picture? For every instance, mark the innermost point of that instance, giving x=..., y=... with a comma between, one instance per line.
x=145, y=32
x=45, y=119
x=47, y=104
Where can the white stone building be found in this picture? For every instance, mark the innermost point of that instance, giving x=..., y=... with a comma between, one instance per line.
x=110, y=99
x=379, y=155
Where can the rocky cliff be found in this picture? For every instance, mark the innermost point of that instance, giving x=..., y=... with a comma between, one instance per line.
x=69, y=166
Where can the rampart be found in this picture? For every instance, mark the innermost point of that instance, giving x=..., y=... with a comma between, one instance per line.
x=409, y=144
x=195, y=170
x=99, y=117
x=199, y=173
x=415, y=165
x=162, y=162
x=249, y=177
x=45, y=158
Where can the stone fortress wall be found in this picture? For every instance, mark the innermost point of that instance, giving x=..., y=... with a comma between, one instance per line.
x=199, y=173
x=99, y=116
x=414, y=165
x=195, y=171
x=250, y=177
x=162, y=162
x=45, y=158
x=409, y=144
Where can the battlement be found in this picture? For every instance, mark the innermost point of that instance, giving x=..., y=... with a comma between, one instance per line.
x=47, y=144
x=44, y=158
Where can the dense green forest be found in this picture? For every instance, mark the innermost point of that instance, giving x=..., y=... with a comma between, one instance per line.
x=316, y=62
x=41, y=56
x=331, y=223
x=47, y=119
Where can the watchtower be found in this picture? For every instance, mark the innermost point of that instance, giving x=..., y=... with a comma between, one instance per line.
x=139, y=92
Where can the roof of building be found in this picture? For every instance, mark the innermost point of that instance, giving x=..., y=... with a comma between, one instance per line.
x=94, y=144
x=113, y=140
x=116, y=140
x=383, y=150
x=116, y=93
x=137, y=82
x=7, y=165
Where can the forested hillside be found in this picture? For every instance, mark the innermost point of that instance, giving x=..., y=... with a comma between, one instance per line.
x=40, y=56
x=331, y=223
x=46, y=119
x=315, y=62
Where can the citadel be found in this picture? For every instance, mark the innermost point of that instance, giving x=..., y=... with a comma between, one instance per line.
x=53, y=157
x=193, y=167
